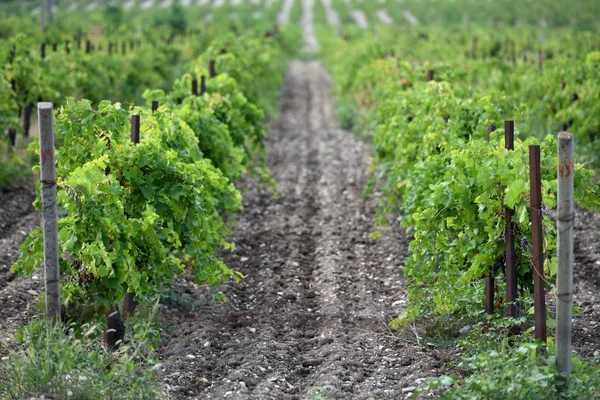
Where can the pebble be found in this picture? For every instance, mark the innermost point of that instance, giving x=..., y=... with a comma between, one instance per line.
x=206, y=344
x=191, y=356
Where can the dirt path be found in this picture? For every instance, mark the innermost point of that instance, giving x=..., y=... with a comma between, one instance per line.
x=17, y=219
x=318, y=292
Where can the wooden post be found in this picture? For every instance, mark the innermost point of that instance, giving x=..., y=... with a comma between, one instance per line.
x=115, y=329
x=43, y=51
x=12, y=136
x=54, y=47
x=179, y=100
x=26, y=119
x=509, y=235
x=430, y=75
x=564, y=276
x=202, y=85
x=67, y=47
x=88, y=46
x=49, y=211
x=489, y=280
x=129, y=303
x=154, y=107
x=535, y=207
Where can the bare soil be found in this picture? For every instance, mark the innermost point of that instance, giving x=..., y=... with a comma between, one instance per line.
x=586, y=284
x=17, y=219
x=311, y=315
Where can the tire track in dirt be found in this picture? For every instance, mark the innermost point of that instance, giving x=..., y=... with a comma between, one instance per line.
x=312, y=310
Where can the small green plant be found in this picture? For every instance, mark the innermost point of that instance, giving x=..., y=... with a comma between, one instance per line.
x=68, y=362
x=517, y=372
x=323, y=393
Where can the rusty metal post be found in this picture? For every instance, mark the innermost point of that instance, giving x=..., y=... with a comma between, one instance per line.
x=135, y=129
x=509, y=235
x=489, y=279
x=211, y=69
x=535, y=207
x=26, y=119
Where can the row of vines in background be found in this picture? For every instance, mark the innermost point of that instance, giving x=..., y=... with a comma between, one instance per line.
x=441, y=176
x=108, y=53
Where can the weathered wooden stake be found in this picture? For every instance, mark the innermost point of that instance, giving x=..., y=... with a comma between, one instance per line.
x=12, y=136
x=26, y=119
x=430, y=75
x=535, y=207
x=564, y=276
x=129, y=303
x=43, y=51
x=154, y=105
x=115, y=329
x=489, y=280
x=509, y=235
x=49, y=211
